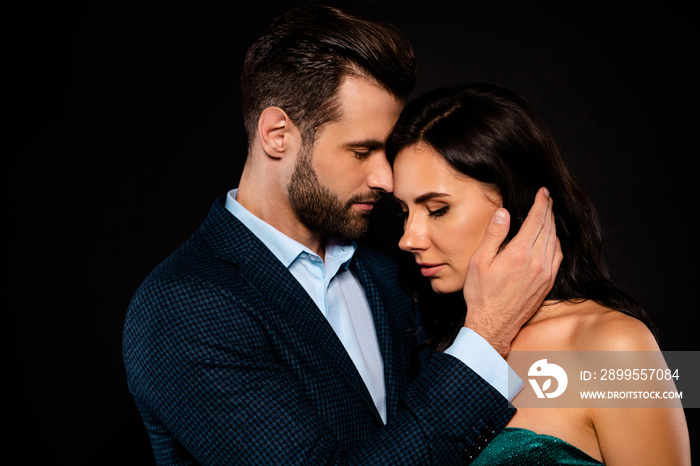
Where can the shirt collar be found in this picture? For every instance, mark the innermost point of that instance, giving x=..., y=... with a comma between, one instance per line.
x=282, y=246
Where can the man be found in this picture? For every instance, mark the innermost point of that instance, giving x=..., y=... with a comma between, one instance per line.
x=269, y=337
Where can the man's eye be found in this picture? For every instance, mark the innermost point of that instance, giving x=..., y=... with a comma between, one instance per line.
x=362, y=154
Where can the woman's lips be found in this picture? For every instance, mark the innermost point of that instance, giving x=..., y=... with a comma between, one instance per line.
x=428, y=270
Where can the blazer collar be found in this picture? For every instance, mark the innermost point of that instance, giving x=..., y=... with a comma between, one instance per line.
x=231, y=241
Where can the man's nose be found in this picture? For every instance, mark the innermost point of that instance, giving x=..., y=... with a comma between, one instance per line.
x=380, y=176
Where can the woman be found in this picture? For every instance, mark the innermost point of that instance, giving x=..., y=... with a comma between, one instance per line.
x=460, y=154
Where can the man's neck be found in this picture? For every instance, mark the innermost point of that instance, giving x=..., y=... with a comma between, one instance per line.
x=280, y=215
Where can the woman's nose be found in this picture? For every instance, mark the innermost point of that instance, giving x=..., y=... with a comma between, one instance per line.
x=414, y=237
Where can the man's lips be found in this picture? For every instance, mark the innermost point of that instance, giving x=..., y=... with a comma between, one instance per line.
x=428, y=270
x=364, y=205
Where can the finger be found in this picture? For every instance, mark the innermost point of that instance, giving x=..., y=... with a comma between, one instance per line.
x=495, y=234
x=535, y=220
x=552, y=240
x=556, y=263
x=553, y=254
x=558, y=258
x=546, y=239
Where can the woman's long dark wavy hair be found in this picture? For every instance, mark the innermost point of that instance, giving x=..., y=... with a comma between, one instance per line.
x=492, y=135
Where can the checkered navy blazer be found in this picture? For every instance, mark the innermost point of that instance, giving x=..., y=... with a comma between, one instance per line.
x=230, y=362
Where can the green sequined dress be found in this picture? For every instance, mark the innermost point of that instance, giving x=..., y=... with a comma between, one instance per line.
x=522, y=447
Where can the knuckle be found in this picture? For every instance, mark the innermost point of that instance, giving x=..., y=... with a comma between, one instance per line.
x=538, y=266
x=492, y=232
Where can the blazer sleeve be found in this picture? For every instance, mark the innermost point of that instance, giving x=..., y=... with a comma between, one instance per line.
x=211, y=392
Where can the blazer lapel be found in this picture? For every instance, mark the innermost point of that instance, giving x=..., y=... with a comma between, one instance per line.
x=277, y=287
x=388, y=330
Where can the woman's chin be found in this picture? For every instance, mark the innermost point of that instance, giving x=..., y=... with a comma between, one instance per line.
x=441, y=287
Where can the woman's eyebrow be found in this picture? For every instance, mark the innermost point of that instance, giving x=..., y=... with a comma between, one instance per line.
x=427, y=196
x=423, y=197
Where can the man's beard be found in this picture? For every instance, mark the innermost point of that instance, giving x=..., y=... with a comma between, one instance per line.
x=322, y=211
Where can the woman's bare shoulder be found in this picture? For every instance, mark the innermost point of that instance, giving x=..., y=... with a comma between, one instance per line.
x=588, y=326
x=600, y=328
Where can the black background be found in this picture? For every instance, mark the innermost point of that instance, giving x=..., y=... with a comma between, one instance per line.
x=124, y=124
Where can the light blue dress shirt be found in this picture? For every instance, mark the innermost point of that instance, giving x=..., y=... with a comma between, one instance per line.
x=341, y=299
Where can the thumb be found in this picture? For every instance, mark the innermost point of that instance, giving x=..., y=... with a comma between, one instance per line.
x=495, y=234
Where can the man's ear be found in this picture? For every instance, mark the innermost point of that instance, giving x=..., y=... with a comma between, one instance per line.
x=277, y=132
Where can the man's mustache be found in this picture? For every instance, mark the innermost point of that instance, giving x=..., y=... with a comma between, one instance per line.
x=370, y=198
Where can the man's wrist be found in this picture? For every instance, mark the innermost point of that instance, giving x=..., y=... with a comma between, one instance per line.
x=497, y=340
x=477, y=353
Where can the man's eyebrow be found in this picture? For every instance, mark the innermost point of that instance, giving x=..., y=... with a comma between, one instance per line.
x=369, y=143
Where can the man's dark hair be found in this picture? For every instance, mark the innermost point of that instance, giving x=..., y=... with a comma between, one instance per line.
x=300, y=61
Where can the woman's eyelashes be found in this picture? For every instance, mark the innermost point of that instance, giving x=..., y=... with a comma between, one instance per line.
x=439, y=212
x=432, y=213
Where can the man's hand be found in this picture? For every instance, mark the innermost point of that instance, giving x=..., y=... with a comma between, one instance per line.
x=504, y=289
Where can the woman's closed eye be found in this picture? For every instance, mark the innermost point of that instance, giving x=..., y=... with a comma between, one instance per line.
x=432, y=213
x=439, y=212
